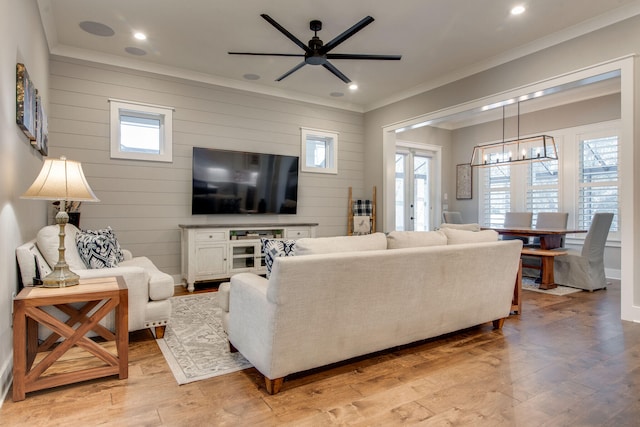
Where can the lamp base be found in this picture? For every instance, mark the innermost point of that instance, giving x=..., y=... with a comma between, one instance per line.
x=60, y=277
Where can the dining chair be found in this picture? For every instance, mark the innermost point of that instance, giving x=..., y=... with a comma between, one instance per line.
x=550, y=220
x=517, y=219
x=452, y=217
x=585, y=269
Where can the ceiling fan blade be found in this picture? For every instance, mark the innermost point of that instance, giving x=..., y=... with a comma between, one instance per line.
x=266, y=54
x=363, y=56
x=291, y=71
x=351, y=31
x=329, y=66
x=286, y=33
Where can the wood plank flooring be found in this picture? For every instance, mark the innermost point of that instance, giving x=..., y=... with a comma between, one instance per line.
x=566, y=361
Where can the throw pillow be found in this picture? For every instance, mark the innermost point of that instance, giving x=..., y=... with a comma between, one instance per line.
x=99, y=248
x=415, y=239
x=456, y=237
x=274, y=248
x=48, y=241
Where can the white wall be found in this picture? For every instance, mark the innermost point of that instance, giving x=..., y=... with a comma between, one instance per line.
x=22, y=40
x=145, y=201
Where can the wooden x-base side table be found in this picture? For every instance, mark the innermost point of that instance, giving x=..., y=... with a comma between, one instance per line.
x=28, y=313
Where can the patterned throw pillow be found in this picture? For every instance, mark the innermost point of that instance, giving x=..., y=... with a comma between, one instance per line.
x=99, y=248
x=273, y=248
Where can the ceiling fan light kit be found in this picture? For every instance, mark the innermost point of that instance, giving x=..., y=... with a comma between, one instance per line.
x=316, y=52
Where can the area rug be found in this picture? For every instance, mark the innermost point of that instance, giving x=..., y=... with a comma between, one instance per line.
x=529, y=284
x=194, y=344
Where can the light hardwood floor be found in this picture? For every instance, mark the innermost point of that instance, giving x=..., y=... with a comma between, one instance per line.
x=566, y=361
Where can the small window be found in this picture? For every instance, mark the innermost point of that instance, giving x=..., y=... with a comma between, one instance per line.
x=319, y=151
x=141, y=131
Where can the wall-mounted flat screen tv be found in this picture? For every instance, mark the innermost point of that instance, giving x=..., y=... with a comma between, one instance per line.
x=236, y=182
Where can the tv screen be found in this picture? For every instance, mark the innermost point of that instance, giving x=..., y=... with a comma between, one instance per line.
x=235, y=182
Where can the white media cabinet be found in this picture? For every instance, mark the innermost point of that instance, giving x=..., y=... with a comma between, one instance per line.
x=212, y=252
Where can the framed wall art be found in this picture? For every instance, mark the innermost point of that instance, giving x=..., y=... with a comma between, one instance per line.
x=463, y=182
x=25, y=102
x=41, y=143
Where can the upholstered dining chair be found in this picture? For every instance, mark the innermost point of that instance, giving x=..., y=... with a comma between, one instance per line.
x=452, y=217
x=550, y=220
x=585, y=269
x=517, y=219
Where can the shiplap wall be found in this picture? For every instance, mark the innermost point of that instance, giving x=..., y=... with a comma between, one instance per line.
x=145, y=201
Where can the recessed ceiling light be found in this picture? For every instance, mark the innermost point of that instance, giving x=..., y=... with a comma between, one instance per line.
x=140, y=36
x=353, y=86
x=97, y=29
x=517, y=10
x=251, y=76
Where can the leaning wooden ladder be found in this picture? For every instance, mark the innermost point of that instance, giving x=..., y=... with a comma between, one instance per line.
x=363, y=209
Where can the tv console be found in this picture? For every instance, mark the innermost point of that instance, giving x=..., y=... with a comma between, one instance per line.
x=212, y=252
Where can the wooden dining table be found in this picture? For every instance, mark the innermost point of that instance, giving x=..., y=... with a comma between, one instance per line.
x=550, y=240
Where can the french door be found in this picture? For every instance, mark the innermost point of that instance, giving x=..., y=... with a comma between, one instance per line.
x=414, y=190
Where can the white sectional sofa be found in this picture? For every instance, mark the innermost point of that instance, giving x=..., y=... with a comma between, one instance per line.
x=149, y=288
x=343, y=297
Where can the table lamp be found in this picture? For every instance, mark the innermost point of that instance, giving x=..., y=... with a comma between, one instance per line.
x=61, y=180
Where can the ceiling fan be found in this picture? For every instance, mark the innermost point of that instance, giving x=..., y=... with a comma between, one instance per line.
x=317, y=53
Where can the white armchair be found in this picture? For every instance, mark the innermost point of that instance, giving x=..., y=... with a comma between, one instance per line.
x=149, y=288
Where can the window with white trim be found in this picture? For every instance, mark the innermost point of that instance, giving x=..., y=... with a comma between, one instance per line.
x=542, y=187
x=598, y=179
x=496, y=194
x=141, y=131
x=319, y=151
x=583, y=181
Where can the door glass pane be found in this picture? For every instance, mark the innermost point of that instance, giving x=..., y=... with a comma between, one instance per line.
x=421, y=198
x=400, y=185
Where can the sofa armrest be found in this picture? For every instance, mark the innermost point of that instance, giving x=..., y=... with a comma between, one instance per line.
x=136, y=279
x=252, y=319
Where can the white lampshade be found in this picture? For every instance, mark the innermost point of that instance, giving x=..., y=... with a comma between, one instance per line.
x=61, y=179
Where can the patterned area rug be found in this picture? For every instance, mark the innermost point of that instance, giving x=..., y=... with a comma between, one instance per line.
x=194, y=344
x=529, y=284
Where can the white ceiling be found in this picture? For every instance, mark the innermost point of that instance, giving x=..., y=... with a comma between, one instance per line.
x=439, y=40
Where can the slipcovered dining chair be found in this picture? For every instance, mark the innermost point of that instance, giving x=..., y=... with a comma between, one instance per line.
x=452, y=217
x=550, y=220
x=585, y=269
x=517, y=219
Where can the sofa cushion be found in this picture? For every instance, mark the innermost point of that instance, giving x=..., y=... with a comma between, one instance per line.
x=414, y=239
x=99, y=248
x=456, y=237
x=327, y=245
x=468, y=227
x=48, y=241
x=274, y=248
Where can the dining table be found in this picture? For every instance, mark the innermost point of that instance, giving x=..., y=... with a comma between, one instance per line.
x=550, y=238
x=550, y=241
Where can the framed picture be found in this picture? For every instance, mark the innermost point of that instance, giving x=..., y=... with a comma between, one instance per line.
x=463, y=181
x=41, y=143
x=25, y=102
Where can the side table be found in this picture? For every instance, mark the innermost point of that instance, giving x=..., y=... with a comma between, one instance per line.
x=100, y=296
